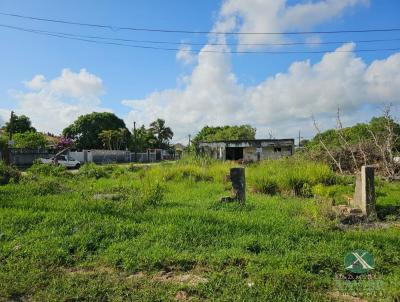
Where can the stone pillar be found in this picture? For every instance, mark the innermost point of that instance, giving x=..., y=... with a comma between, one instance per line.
x=364, y=196
x=238, y=180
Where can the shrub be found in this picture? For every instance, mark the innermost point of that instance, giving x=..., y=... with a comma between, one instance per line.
x=153, y=194
x=91, y=170
x=266, y=186
x=47, y=186
x=39, y=169
x=8, y=173
x=292, y=176
x=338, y=194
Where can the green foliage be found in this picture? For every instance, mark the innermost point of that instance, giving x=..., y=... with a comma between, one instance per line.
x=29, y=140
x=8, y=174
x=86, y=129
x=266, y=185
x=354, y=134
x=153, y=194
x=38, y=169
x=338, y=194
x=162, y=133
x=19, y=124
x=142, y=139
x=290, y=176
x=3, y=142
x=91, y=170
x=225, y=133
x=43, y=186
x=156, y=238
x=114, y=139
x=193, y=169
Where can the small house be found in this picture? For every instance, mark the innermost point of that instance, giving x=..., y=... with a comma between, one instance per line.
x=248, y=150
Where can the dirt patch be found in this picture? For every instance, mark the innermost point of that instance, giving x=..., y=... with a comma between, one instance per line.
x=181, y=296
x=345, y=298
x=92, y=270
x=180, y=278
x=138, y=275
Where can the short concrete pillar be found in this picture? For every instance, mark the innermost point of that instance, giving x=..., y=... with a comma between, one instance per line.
x=238, y=180
x=364, y=195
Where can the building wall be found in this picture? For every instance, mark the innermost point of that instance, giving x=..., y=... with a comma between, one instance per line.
x=26, y=157
x=251, y=154
x=252, y=150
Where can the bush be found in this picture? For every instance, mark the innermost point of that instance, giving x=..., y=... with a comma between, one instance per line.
x=47, y=186
x=39, y=169
x=8, y=173
x=153, y=194
x=291, y=176
x=266, y=186
x=338, y=194
x=91, y=170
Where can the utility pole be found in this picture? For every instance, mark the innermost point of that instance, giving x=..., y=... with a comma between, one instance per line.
x=134, y=139
x=299, y=138
x=11, y=125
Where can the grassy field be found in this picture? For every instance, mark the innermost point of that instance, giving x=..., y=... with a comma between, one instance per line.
x=159, y=233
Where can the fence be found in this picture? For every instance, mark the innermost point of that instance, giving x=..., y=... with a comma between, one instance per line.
x=26, y=157
x=119, y=156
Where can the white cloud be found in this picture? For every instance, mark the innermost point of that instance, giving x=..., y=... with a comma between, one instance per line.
x=4, y=116
x=383, y=77
x=37, y=82
x=277, y=16
x=185, y=55
x=284, y=102
x=53, y=105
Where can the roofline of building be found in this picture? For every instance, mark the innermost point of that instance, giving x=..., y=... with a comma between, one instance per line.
x=248, y=140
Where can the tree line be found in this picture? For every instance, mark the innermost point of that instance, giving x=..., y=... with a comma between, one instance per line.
x=348, y=148
x=96, y=130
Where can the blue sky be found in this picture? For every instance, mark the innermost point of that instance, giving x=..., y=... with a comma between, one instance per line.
x=141, y=84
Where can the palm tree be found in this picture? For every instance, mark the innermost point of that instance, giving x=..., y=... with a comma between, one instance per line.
x=162, y=133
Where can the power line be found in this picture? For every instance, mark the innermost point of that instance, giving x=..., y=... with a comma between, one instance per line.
x=202, y=44
x=369, y=30
x=63, y=36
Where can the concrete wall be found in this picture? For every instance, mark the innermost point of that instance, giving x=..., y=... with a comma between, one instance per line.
x=251, y=154
x=26, y=157
x=118, y=156
x=253, y=150
x=108, y=156
x=78, y=155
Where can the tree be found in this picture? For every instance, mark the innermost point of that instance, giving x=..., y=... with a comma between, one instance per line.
x=64, y=142
x=347, y=149
x=18, y=124
x=143, y=139
x=29, y=140
x=162, y=133
x=113, y=139
x=86, y=129
x=208, y=134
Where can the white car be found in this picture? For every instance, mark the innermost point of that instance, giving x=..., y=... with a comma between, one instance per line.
x=62, y=160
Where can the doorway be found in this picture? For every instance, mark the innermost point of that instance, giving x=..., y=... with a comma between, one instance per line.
x=234, y=153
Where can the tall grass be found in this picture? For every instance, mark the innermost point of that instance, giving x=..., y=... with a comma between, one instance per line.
x=192, y=168
x=67, y=243
x=8, y=174
x=290, y=176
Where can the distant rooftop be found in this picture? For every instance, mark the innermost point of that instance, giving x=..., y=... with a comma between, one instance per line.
x=250, y=140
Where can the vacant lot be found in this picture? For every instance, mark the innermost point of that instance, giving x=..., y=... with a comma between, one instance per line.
x=159, y=233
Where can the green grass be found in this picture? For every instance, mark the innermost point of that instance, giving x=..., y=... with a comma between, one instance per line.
x=60, y=240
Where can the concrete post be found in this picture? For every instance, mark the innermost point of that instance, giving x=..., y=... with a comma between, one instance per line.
x=364, y=196
x=238, y=180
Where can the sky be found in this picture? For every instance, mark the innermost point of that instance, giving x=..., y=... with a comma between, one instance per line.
x=55, y=79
